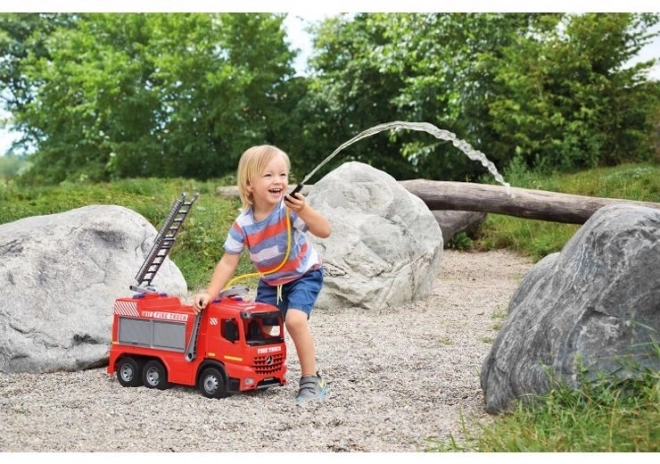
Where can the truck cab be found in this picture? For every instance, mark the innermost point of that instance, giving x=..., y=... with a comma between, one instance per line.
x=248, y=338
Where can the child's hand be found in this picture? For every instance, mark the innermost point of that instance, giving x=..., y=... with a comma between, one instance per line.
x=200, y=301
x=295, y=201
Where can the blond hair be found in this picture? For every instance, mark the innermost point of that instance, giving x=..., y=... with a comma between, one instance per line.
x=252, y=163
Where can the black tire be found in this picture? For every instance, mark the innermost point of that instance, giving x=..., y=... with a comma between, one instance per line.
x=211, y=383
x=154, y=375
x=129, y=372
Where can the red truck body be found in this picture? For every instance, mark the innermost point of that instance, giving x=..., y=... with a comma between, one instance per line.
x=233, y=345
x=231, y=339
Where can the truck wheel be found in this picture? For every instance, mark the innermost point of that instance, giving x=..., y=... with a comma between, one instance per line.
x=128, y=372
x=211, y=383
x=154, y=375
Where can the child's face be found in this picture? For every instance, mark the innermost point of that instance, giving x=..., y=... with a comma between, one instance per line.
x=271, y=184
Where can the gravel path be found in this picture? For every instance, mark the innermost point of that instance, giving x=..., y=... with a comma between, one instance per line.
x=397, y=379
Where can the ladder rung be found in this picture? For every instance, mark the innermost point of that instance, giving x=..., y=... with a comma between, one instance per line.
x=165, y=239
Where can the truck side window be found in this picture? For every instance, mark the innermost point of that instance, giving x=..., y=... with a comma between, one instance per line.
x=229, y=329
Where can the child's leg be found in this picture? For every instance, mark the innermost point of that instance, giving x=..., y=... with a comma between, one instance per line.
x=312, y=386
x=301, y=295
x=296, y=325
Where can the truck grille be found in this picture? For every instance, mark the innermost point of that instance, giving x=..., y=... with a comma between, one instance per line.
x=268, y=364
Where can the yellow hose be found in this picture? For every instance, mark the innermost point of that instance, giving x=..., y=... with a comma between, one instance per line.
x=286, y=256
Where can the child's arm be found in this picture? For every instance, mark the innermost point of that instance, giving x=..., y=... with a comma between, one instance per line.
x=316, y=222
x=223, y=271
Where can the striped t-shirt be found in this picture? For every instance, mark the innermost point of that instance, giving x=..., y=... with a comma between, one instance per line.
x=267, y=241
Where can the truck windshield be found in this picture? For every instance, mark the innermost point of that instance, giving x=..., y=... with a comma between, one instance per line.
x=263, y=330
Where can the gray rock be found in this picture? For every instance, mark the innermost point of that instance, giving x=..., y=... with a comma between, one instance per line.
x=455, y=222
x=60, y=275
x=595, y=305
x=386, y=246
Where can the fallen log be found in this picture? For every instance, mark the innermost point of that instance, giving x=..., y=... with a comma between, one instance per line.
x=525, y=203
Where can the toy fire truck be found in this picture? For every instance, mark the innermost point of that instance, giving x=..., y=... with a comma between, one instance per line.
x=233, y=345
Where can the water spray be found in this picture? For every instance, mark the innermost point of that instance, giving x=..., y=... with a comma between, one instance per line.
x=441, y=134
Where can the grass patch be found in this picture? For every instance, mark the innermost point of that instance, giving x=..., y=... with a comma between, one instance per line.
x=460, y=241
x=499, y=317
x=500, y=314
x=537, y=239
x=607, y=414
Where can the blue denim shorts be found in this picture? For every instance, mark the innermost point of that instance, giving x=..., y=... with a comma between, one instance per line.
x=298, y=294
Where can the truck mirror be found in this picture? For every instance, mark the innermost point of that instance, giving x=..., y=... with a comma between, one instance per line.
x=230, y=330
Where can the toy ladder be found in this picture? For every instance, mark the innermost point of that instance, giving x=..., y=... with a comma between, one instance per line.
x=162, y=245
x=191, y=350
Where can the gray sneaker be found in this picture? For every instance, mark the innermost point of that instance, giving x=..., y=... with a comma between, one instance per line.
x=312, y=387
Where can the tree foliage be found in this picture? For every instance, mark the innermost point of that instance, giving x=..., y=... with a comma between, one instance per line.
x=350, y=92
x=104, y=96
x=548, y=89
x=164, y=95
x=568, y=103
x=10, y=166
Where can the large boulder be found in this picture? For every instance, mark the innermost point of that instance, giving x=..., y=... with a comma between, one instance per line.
x=386, y=246
x=60, y=275
x=593, y=306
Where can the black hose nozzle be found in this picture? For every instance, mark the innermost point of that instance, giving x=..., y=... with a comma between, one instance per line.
x=296, y=190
